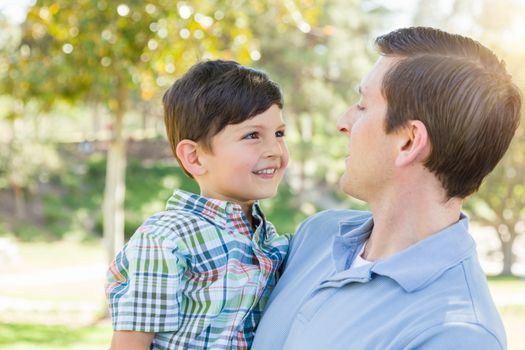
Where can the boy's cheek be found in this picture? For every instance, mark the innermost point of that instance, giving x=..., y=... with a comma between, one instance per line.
x=285, y=157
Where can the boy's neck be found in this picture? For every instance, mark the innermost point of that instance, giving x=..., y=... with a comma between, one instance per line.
x=247, y=209
x=245, y=206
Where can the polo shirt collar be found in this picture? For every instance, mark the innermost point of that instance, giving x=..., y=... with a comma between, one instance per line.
x=418, y=265
x=349, y=240
x=218, y=211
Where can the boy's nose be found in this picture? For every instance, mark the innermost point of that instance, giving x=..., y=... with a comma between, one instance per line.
x=274, y=149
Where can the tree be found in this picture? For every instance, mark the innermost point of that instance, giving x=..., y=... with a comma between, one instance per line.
x=318, y=56
x=115, y=54
x=118, y=54
x=500, y=202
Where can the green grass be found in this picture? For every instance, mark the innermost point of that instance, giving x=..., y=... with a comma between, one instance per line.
x=507, y=285
x=51, y=337
x=506, y=280
x=24, y=336
x=513, y=315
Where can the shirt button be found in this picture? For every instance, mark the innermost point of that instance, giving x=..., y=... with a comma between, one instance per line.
x=229, y=209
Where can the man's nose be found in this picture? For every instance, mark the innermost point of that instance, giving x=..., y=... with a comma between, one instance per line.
x=343, y=123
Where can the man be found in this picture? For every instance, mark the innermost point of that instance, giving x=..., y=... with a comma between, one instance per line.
x=436, y=114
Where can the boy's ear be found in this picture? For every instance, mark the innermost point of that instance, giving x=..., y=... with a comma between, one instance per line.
x=188, y=153
x=414, y=144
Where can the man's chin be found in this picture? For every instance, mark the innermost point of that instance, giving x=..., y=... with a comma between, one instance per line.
x=344, y=185
x=347, y=187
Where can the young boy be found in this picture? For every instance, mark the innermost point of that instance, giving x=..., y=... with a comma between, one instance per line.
x=198, y=275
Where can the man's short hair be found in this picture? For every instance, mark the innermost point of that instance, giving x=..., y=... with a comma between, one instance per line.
x=462, y=93
x=212, y=95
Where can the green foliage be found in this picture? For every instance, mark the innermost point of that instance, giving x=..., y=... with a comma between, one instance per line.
x=22, y=162
x=149, y=185
x=37, y=336
x=318, y=68
x=97, y=49
x=283, y=211
x=121, y=53
x=500, y=202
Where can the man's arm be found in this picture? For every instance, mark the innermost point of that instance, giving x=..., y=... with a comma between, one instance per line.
x=468, y=336
x=131, y=340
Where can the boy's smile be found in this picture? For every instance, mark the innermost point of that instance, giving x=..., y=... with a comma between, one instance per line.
x=247, y=160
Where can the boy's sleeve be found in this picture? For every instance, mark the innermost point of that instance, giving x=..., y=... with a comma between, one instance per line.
x=144, y=284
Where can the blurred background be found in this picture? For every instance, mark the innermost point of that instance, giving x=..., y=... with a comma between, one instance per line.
x=84, y=158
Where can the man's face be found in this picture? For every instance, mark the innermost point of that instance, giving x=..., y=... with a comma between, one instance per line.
x=370, y=163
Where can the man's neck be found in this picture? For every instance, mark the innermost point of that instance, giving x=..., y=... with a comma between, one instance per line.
x=403, y=220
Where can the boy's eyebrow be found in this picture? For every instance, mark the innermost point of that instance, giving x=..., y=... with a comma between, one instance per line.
x=260, y=126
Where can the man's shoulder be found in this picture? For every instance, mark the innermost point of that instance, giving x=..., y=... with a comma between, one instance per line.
x=319, y=228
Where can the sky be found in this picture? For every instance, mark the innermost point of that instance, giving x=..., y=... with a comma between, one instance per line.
x=15, y=10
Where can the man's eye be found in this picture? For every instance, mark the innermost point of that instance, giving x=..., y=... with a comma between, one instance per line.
x=360, y=108
x=280, y=133
x=250, y=136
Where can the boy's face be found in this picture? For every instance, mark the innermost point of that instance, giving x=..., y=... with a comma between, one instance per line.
x=247, y=160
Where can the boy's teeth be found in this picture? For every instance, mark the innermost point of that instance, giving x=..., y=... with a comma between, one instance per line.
x=265, y=171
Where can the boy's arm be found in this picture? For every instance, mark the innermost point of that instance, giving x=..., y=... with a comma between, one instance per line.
x=131, y=340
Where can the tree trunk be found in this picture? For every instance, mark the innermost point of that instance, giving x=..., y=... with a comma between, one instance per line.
x=508, y=256
x=20, y=203
x=95, y=122
x=144, y=120
x=18, y=190
x=114, y=192
x=300, y=161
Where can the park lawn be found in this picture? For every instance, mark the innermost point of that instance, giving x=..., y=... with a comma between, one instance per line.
x=75, y=328
x=507, y=286
x=26, y=336
x=36, y=256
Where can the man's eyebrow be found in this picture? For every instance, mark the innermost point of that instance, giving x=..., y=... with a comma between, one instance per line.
x=359, y=89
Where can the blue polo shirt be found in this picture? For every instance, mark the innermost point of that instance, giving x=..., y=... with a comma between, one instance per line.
x=432, y=295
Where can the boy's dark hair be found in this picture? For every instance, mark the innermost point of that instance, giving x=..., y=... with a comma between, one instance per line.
x=462, y=93
x=212, y=95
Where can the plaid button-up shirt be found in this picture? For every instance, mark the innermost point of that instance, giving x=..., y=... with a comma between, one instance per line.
x=196, y=274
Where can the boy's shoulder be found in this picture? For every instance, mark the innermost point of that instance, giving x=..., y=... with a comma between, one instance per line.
x=174, y=224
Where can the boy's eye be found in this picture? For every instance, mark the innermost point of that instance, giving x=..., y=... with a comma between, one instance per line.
x=280, y=133
x=360, y=107
x=251, y=136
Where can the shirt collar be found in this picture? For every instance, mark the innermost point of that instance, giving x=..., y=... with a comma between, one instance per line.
x=419, y=264
x=349, y=239
x=219, y=211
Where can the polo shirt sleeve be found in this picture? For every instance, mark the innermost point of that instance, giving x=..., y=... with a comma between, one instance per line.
x=144, y=283
x=465, y=336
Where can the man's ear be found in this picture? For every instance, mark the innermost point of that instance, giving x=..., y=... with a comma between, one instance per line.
x=415, y=143
x=188, y=153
